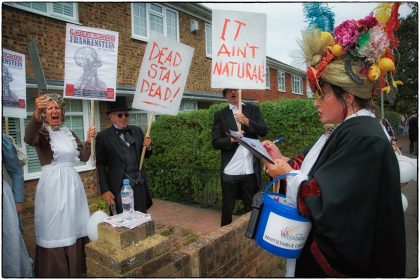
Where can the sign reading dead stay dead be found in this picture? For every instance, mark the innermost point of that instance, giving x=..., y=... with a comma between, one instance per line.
x=163, y=75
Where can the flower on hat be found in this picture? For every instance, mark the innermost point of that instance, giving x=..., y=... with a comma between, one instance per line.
x=375, y=46
x=368, y=22
x=347, y=34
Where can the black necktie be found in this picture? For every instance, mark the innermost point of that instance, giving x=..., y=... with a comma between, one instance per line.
x=127, y=136
x=122, y=130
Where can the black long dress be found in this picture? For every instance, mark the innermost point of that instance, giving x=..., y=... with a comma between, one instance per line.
x=353, y=198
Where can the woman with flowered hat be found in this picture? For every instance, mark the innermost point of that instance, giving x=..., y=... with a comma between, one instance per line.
x=61, y=208
x=349, y=183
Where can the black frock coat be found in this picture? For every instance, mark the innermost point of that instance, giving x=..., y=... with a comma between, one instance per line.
x=110, y=162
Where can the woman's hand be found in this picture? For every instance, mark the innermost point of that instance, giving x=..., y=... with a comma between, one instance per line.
x=147, y=141
x=91, y=133
x=40, y=105
x=274, y=170
x=272, y=149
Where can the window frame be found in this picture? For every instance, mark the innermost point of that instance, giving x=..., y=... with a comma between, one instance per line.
x=148, y=12
x=267, y=77
x=137, y=112
x=208, y=43
x=50, y=11
x=186, y=103
x=283, y=78
x=300, y=82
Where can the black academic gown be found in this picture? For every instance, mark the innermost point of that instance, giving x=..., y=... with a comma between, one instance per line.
x=357, y=218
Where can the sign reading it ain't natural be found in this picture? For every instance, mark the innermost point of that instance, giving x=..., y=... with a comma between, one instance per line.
x=238, y=50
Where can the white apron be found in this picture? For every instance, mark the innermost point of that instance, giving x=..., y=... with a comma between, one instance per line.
x=61, y=208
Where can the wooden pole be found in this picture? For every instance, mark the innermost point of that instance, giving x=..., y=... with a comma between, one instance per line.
x=239, y=107
x=92, y=123
x=382, y=105
x=143, y=152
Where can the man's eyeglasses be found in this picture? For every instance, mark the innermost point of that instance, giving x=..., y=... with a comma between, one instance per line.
x=120, y=115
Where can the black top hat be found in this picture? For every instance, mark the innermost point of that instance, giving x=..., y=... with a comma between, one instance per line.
x=120, y=104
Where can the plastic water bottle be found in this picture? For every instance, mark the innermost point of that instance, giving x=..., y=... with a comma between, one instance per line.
x=127, y=196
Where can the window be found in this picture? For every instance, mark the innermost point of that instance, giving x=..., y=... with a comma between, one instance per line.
x=67, y=11
x=208, y=40
x=137, y=117
x=188, y=106
x=77, y=120
x=146, y=17
x=267, y=77
x=297, y=85
x=281, y=81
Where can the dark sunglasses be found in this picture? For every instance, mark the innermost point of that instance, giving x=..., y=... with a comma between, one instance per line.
x=120, y=115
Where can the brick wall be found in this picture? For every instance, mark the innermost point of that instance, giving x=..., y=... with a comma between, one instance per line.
x=226, y=252
x=273, y=93
x=19, y=27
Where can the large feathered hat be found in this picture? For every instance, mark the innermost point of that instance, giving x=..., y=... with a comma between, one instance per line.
x=357, y=56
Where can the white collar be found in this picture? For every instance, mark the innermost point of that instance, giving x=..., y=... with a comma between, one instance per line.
x=361, y=112
x=232, y=107
x=119, y=127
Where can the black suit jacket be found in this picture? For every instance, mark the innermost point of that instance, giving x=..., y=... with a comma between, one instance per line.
x=224, y=121
x=110, y=160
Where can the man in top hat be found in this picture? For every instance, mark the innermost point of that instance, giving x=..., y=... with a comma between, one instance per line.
x=118, y=151
x=240, y=170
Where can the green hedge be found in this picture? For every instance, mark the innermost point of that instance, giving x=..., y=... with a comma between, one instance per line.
x=296, y=120
x=185, y=167
x=393, y=118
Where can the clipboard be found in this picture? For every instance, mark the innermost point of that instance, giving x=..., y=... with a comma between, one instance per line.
x=253, y=145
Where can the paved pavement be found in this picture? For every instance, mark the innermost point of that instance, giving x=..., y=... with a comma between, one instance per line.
x=204, y=221
x=410, y=190
x=183, y=223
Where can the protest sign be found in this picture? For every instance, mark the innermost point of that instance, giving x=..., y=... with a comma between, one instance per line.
x=91, y=58
x=14, y=85
x=238, y=50
x=163, y=75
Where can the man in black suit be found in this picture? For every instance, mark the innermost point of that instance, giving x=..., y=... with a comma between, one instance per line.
x=118, y=150
x=240, y=170
x=413, y=129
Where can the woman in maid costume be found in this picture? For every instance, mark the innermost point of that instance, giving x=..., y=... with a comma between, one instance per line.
x=61, y=208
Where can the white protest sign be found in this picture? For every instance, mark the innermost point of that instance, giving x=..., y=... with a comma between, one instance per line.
x=163, y=75
x=91, y=58
x=238, y=50
x=14, y=85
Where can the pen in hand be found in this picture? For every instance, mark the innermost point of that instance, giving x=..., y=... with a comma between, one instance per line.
x=280, y=139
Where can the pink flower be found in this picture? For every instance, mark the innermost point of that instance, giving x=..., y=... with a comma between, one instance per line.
x=376, y=45
x=347, y=34
x=368, y=22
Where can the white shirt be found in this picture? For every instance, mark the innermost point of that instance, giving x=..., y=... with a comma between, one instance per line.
x=241, y=162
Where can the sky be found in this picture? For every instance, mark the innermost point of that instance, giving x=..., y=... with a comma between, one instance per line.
x=285, y=21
